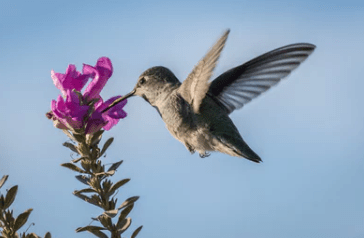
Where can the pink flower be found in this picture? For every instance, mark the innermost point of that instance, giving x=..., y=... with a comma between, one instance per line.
x=108, y=119
x=71, y=113
x=72, y=79
x=95, y=123
x=100, y=74
x=114, y=114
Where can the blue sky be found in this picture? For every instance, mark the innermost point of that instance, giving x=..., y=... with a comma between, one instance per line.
x=308, y=130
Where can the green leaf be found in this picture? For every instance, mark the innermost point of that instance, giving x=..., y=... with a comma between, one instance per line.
x=106, y=145
x=32, y=235
x=124, y=214
x=79, y=137
x=105, y=221
x=92, y=200
x=71, y=147
x=124, y=225
x=95, y=153
x=95, y=138
x=111, y=213
x=10, y=196
x=68, y=134
x=83, y=179
x=48, y=235
x=83, y=150
x=135, y=233
x=85, y=190
x=86, y=164
x=128, y=201
x=109, y=173
x=3, y=180
x=90, y=228
x=99, y=234
x=73, y=167
x=2, y=202
x=22, y=219
x=106, y=184
x=8, y=215
x=116, y=165
x=78, y=159
x=117, y=185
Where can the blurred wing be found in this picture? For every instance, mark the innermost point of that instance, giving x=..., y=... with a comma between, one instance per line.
x=240, y=85
x=195, y=87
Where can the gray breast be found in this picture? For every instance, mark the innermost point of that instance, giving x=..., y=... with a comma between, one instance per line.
x=177, y=113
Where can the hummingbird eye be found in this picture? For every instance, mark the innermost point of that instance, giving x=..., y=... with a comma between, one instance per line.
x=142, y=81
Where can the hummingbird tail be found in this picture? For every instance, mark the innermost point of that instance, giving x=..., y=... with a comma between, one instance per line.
x=249, y=154
x=237, y=148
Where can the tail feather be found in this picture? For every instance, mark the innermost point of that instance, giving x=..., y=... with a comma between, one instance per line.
x=237, y=148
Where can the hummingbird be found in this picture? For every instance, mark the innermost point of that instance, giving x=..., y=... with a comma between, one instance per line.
x=196, y=112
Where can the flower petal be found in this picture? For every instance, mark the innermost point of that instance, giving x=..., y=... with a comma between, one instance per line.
x=118, y=106
x=117, y=114
x=58, y=107
x=72, y=79
x=57, y=80
x=114, y=114
x=70, y=112
x=110, y=124
x=117, y=111
x=100, y=73
x=95, y=123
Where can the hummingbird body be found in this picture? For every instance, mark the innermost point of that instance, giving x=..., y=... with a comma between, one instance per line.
x=196, y=112
x=209, y=130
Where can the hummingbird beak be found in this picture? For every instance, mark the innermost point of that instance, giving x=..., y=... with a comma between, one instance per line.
x=119, y=100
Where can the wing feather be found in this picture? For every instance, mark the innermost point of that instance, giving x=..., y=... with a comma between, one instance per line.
x=240, y=85
x=195, y=87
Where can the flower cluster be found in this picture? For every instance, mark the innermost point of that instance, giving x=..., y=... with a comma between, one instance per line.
x=76, y=110
x=84, y=117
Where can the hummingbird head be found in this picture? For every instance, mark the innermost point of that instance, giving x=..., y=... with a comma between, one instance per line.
x=154, y=85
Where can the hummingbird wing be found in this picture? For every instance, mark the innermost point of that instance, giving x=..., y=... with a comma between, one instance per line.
x=195, y=87
x=238, y=86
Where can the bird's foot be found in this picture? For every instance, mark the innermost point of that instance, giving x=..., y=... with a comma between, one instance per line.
x=204, y=155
